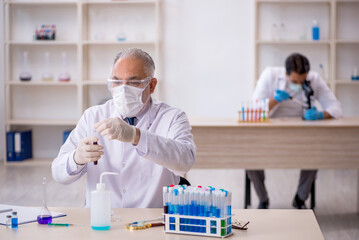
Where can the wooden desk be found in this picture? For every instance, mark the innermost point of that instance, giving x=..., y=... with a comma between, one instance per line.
x=265, y=224
x=280, y=143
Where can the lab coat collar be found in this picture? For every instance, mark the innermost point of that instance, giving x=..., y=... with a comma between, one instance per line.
x=140, y=116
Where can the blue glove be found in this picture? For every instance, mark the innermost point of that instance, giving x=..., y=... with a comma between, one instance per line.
x=281, y=95
x=313, y=114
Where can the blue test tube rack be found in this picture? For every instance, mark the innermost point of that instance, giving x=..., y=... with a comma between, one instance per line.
x=197, y=211
x=200, y=226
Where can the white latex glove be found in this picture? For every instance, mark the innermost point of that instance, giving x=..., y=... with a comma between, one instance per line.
x=86, y=151
x=116, y=128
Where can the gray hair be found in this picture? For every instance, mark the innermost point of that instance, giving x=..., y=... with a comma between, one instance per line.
x=136, y=53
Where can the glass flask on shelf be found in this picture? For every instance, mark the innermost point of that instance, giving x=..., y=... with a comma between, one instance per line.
x=140, y=34
x=274, y=32
x=25, y=75
x=44, y=216
x=47, y=75
x=64, y=76
x=121, y=35
x=282, y=32
x=355, y=74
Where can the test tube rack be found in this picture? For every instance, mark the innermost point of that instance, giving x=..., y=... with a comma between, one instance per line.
x=254, y=111
x=253, y=118
x=200, y=226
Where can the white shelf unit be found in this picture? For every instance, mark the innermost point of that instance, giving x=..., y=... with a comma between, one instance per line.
x=337, y=50
x=346, y=51
x=87, y=31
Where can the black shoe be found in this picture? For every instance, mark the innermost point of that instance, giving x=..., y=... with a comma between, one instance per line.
x=298, y=203
x=263, y=205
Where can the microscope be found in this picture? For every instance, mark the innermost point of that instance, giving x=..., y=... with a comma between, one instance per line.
x=308, y=93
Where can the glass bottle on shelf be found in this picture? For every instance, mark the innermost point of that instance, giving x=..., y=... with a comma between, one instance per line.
x=121, y=35
x=274, y=32
x=282, y=31
x=44, y=216
x=140, y=35
x=315, y=30
x=47, y=75
x=355, y=75
x=25, y=75
x=303, y=34
x=64, y=76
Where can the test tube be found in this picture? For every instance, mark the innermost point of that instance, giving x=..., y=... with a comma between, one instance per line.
x=244, y=114
x=165, y=199
x=255, y=106
x=95, y=143
x=170, y=200
x=267, y=108
x=175, y=201
x=208, y=203
x=214, y=204
x=229, y=206
x=180, y=201
x=185, y=202
x=251, y=111
x=192, y=202
x=203, y=202
x=218, y=204
x=247, y=112
x=197, y=203
x=259, y=105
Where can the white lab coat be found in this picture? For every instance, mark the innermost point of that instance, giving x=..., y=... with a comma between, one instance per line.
x=274, y=78
x=165, y=151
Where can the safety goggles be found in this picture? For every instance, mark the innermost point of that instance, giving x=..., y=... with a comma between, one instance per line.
x=112, y=83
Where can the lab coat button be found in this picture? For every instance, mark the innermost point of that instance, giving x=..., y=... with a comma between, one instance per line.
x=123, y=165
x=124, y=190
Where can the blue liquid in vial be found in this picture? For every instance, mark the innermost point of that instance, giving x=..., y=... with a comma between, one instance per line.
x=44, y=219
x=104, y=228
x=14, y=222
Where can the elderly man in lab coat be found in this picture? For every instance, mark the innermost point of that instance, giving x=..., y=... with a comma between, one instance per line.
x=283, y=87
x=147, y=142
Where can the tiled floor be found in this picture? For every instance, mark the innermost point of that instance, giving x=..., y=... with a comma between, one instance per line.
x=336, y=192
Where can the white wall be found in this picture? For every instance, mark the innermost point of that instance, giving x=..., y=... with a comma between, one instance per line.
x=207, y=55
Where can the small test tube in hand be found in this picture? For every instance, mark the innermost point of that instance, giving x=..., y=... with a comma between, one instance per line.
x=95, y=143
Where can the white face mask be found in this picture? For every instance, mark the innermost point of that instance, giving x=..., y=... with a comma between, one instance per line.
x=128, y=100
x=295, y=87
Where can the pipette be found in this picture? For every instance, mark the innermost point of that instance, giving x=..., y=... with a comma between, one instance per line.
x=296, y=101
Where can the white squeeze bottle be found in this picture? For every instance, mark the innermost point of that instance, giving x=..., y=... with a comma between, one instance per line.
x=101, y=206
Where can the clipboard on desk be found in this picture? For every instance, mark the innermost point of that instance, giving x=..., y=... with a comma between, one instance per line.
x=24, y=214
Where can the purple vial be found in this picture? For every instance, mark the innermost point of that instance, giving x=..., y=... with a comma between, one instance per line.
x=44, y=219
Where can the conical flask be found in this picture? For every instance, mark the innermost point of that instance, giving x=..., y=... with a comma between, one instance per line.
x=64, y=76
x=47, y=75
x=25, y=74
x=44, y=216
